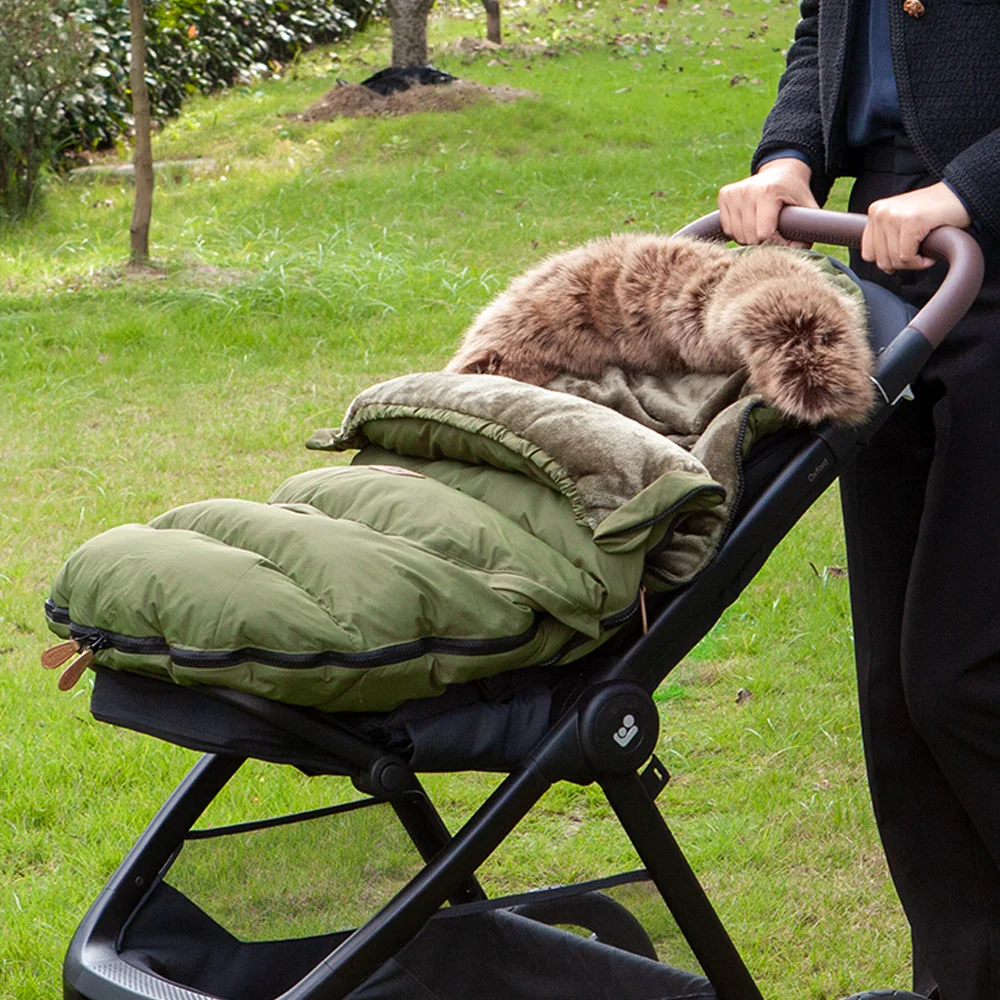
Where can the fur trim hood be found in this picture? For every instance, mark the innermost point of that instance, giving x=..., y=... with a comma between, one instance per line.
x=654, y=305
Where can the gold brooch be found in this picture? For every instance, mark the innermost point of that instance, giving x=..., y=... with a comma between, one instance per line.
x=913, y=7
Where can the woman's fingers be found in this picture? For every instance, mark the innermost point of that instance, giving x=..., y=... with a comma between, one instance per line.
x=867, y=244
x=898, y=225
x=749, y=209
x=725, y=216
x=731, y=202
x=766, y=228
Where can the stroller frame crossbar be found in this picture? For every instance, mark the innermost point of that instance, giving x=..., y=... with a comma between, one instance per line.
x=605, y=734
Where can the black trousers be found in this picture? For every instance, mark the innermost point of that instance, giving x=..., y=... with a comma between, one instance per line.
x=922, y=515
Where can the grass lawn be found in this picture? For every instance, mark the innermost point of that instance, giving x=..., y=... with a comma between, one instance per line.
x=313, y=260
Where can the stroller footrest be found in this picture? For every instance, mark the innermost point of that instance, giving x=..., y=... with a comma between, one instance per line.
x=111, y=978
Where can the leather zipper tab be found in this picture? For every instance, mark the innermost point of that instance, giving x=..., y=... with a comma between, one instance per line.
x=56, y=656
x=69, y=677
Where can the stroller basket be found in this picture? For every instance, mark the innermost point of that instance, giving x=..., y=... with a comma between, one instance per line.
x=246, y=910
x=373, y=898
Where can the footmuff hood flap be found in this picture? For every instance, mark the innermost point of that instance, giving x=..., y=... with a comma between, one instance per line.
x=605, y=464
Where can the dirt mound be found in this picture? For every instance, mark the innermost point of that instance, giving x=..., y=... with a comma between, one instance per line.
x=351, y=100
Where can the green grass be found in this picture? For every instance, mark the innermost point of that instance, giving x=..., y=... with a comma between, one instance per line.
x=315, y=260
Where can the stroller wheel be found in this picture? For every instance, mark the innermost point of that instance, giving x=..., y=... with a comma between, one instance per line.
x=607, y=920
x=886, y=995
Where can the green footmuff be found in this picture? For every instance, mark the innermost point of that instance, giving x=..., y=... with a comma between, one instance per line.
x=485, y=525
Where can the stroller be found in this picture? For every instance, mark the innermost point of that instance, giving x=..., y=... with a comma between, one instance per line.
x=438, y=936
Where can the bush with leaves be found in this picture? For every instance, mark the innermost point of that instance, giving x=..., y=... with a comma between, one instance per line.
x=193, y=46
x=41, y=51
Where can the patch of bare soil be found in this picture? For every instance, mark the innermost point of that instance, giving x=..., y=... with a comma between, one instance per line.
x=211, y=276
x=151, y=271
x=473, y=47
x=351, y=100
x=183, y=273
x=189, y=273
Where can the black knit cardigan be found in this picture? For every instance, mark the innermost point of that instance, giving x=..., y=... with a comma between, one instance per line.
x=947, y=66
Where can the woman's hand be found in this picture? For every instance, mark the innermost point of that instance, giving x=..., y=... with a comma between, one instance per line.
x=749, y=208
x=897, y=226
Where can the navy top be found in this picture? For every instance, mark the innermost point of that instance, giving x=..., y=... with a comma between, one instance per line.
x=873, y=110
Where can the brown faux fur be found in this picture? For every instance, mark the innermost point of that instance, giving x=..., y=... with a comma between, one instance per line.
x=658, y=304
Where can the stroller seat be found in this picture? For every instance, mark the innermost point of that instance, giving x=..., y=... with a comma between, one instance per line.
x=591, y=720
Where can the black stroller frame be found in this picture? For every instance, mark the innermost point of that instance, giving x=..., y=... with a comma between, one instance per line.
x=594, y=740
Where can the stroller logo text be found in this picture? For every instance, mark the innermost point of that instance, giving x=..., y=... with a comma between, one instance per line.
x=819, y=470
x=626, y=732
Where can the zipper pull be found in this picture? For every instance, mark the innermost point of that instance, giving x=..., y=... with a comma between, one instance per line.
x=69, y=677
x=642, y=608
x=56, y=656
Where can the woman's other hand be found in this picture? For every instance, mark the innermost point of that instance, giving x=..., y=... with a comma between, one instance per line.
x=898, y=225
x=749, y=208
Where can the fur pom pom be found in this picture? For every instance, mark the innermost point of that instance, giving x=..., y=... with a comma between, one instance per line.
x=803, y=341
x=803, y=353
x=653, y=304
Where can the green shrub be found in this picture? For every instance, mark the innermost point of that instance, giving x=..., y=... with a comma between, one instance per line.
x=193, y=46
x=40, y=55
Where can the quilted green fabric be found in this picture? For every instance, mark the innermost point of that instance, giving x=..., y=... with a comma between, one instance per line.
x=358, y=588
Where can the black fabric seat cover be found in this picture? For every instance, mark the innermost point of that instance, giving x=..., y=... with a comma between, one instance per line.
x=494, y=955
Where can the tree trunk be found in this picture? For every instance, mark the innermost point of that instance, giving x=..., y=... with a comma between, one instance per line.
x=142, y=212
x=408, y=19
x=493, y=20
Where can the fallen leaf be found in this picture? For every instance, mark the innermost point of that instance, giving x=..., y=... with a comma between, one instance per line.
x=837, y=571
x=623, y=90
x=629, y=221
x=743, y=696
x=738, y=79
x=658, y=194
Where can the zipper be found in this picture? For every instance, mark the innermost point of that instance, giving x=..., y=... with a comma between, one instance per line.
x=56, y=656
x=740, y=477
x=626, y=613
x=606, y=624
x=96, y=639
x=656, y=518
x=88, y=643
x=734, y=507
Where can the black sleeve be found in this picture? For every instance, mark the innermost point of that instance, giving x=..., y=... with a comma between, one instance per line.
x=974, y=174
x=794, y=122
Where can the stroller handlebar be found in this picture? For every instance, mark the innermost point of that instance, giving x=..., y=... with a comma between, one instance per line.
x=961, y=252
